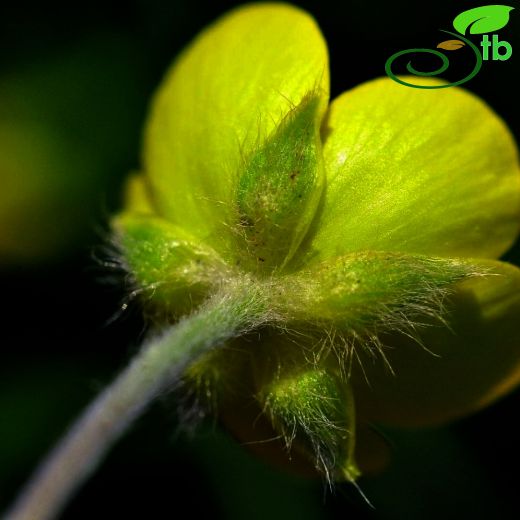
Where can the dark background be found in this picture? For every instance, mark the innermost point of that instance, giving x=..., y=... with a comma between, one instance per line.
x=86, y=70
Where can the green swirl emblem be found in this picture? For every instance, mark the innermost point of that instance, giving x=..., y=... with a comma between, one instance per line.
x=445, y=64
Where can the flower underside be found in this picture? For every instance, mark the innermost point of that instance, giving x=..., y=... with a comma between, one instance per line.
x=370, y=226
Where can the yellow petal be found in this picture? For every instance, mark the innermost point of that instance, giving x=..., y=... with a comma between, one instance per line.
x=222, y=98
x=417, y=171
x=464, y=368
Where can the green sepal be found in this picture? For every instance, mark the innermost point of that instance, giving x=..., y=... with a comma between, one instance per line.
x=280, y=186
x=371, y=290
x=220, y=378
x=313, y=409
x=171, y=270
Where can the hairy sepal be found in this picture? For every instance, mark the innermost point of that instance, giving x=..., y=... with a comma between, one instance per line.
x=169, y=269
x=371, y=291
x=313, y=409
x=279, y=187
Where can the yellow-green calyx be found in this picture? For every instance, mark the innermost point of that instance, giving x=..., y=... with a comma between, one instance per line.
x=314, y=408
x=279, y=188
x=370, y=228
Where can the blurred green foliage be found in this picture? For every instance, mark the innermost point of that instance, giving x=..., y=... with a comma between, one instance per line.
x=67, y=126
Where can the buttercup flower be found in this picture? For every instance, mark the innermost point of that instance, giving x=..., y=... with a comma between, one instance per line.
x=371, y=226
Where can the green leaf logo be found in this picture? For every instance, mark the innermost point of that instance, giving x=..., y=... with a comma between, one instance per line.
x=485, y=19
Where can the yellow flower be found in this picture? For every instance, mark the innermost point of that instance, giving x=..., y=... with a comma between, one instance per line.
x=372, y=224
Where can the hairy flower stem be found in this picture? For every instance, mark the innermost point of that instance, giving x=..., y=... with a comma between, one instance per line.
x=230, y=312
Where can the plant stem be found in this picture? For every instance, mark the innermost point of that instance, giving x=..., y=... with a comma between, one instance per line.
x=152, y=372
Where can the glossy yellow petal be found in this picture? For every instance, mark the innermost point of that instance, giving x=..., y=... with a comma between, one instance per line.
x=222, y=98
x=417, y=171
x=459, y=369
